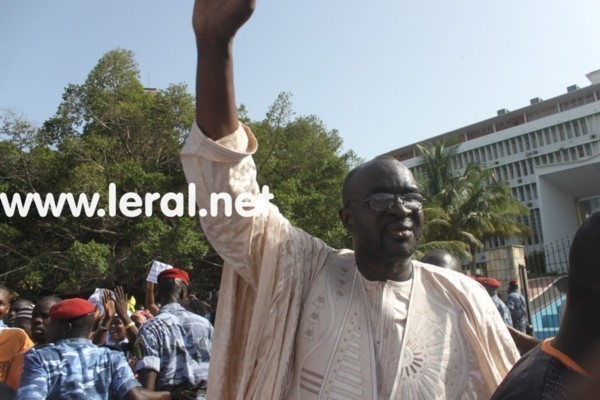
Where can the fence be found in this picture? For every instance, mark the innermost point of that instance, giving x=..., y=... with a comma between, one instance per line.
x=543, y=276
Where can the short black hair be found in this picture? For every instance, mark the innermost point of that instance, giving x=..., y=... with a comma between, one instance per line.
x=171, y=288
x=442, y=258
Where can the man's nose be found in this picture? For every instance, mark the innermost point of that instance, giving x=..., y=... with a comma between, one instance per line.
x=398, y=208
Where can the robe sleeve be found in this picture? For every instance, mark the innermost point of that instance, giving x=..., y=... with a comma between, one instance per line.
x=268, y=267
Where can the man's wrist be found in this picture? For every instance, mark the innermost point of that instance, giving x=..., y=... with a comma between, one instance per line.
x=209, y=47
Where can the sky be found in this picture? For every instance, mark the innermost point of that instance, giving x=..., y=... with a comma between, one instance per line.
x=383, y=73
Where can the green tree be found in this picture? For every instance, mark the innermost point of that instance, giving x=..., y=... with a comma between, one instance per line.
x=304, y=165
x=465, y=209
x=107, y=130
x=110, y=129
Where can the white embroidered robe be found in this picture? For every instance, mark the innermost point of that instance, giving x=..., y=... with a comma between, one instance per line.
x=295, y=320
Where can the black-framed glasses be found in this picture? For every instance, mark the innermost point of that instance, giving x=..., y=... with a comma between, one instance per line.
x=385, y=201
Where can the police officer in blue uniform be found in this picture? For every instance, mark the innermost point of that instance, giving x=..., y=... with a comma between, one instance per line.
x=174, y=347
x=75, y=368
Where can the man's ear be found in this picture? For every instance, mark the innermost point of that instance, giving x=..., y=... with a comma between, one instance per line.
x=184, y=292
x=345, y=215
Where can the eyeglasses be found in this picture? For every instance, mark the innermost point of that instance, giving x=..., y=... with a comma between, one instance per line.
x=385, y=201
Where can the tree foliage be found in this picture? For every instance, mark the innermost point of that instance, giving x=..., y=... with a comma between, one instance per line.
x=107, y=130
x=464, y=209
x=304, y=165
x=110, y=129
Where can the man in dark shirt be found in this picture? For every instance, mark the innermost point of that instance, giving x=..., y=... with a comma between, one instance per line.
x=557, y=368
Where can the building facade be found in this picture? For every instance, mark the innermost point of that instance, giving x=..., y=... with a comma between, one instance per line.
x=547, y=152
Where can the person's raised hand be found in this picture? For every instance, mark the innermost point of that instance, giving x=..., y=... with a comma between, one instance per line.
x=220, y=19
x=109, y=305
x=120, y=302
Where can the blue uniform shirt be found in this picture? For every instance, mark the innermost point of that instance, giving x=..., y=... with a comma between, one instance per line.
x=518, y=310
x=176, y=344
x=75, y=369
x=503, y=310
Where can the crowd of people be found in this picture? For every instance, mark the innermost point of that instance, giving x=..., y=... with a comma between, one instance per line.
x=298, y=319
x=102, y=349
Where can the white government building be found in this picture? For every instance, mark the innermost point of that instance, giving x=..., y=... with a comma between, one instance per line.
x=547, y=152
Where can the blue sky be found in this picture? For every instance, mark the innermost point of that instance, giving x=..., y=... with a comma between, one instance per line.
x=384, y=73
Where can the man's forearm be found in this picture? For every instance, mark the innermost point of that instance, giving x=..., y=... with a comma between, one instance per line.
x=215, y=24
x=216, y=112
x=145, y=394
x=147, y=378
x=149, y=299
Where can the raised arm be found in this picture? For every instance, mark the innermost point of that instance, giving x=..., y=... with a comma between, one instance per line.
x=121, y=309
x=215, y=24
x=217, y=160
x=149, y=298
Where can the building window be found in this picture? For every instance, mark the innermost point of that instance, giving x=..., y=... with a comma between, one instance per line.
x=520, y=142
x=530, y=166
x=540, y=138
x=579, y=101
x=521, y=194
x=584, y=125
x=576, y=129
x=532, y=116
x=548, y=136
x=555, y=137
x=533, y=139
x=569, y=129
x=527, y=143
x=561, y=132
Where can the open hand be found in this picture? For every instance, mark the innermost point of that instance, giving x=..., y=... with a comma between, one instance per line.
x=109, y=305
x=120, y=302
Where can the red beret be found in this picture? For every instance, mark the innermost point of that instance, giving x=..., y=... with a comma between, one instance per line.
x=174, y=273
x=70, y=309
x=490, y=282
x=513, y=280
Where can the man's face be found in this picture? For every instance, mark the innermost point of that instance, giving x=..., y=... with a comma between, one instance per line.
x=15, y=308
x=40, y=320
x=4, y=302
x=389, y=235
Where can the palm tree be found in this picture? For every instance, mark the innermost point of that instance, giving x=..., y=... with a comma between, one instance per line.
x=465, y=209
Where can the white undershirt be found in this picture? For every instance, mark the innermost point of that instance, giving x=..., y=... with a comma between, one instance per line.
x=388, y=306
